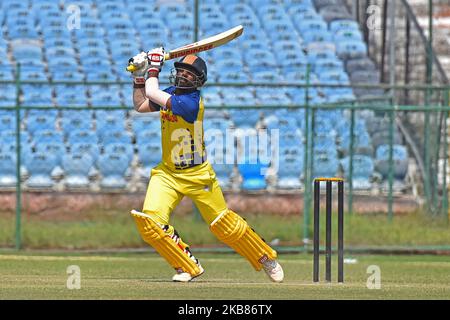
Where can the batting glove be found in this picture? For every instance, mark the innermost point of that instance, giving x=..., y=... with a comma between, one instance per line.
x=156, y=60
x=140, y=65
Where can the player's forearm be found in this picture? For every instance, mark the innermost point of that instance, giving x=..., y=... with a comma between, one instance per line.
x=140, y=101
x=153, y=92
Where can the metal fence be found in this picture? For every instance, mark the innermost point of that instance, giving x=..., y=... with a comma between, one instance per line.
x=429, y=185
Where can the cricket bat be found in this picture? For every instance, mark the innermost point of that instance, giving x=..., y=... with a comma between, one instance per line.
x=202, y=45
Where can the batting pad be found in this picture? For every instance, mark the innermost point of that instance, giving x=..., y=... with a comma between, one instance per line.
x=234, y=231
x=154, y=235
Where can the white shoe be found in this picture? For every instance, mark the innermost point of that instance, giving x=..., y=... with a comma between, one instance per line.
x=274, y=270
x=186, y=277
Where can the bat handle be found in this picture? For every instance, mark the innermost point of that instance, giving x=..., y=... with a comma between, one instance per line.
x=131, y=68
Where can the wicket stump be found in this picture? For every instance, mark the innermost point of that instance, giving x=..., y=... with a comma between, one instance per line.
x=340, y=183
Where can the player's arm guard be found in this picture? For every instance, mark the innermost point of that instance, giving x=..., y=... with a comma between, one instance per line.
x=234, y=231
x=161, y=241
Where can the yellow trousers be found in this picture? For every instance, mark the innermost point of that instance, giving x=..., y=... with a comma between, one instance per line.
x=167, y=188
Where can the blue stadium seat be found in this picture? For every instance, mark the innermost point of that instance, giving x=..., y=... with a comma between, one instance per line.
x=325, y=164
x=253, y=176
x=224, y=65
x=40, y=123
x=108, y=124
x=343, y=25
x=82, y=33
x=143, y=123
x=54, y=148
x=40, y=166
x=233, y=76
x=76, y=168
x=71, y=96
x=56, y=63
x=115, y=136
x=346, y=35
x=334, y=12
x=14, y=5
x=318, y=35
x=107, y=95
x=268, y=9
x=23, y=32
x=178, y=17
x=149, y=155
x=400, y=161
x=42, y=136
x=223, y=172
x=238, y=97
x=324, y=141
x=272, y=96
x=305, y=26
x=351, y=49
x=60, y=51
x=362, y=142
x=73, y=123
x=290, y=167
x=11, y=147
x=327, y=64
x=317, y=55
x=45, y=6
x=266, y=76
x=6, y=72
x=8, y=177
x=366, y=63
x=245, y=118
x=301, y=12
x=56, y=33
x=89, y=52
x=120, y=148
x=238, y=8
x=9, y=136
x=363, y=169
x=112, y=168
x=90, y=148
x=7, y=122
x=37, y=95
x=148, y=136
x=212, y=99
x=78, y=113
x=33, y=73
x=167, y=7
x=258, y=59
x=68, y=75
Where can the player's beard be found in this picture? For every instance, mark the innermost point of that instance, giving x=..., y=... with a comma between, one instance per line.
x=182, y=82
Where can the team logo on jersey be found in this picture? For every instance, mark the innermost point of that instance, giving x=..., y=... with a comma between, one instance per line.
x=168, y=116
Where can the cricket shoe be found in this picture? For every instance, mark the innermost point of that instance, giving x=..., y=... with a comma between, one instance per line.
x=181, y=276
x=274, y=270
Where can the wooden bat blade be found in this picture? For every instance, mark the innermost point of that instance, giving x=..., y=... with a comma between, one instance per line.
x=202, y=45
x=206, y=44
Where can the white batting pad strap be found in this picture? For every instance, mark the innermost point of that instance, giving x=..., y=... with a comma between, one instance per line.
x=153, y=92
x=137, y=213
x=219, y=216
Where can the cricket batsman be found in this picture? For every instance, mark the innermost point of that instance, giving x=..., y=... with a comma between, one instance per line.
x=184, y=170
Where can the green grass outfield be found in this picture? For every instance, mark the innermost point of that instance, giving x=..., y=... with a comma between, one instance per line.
x=116, y=229
x=227, y=276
